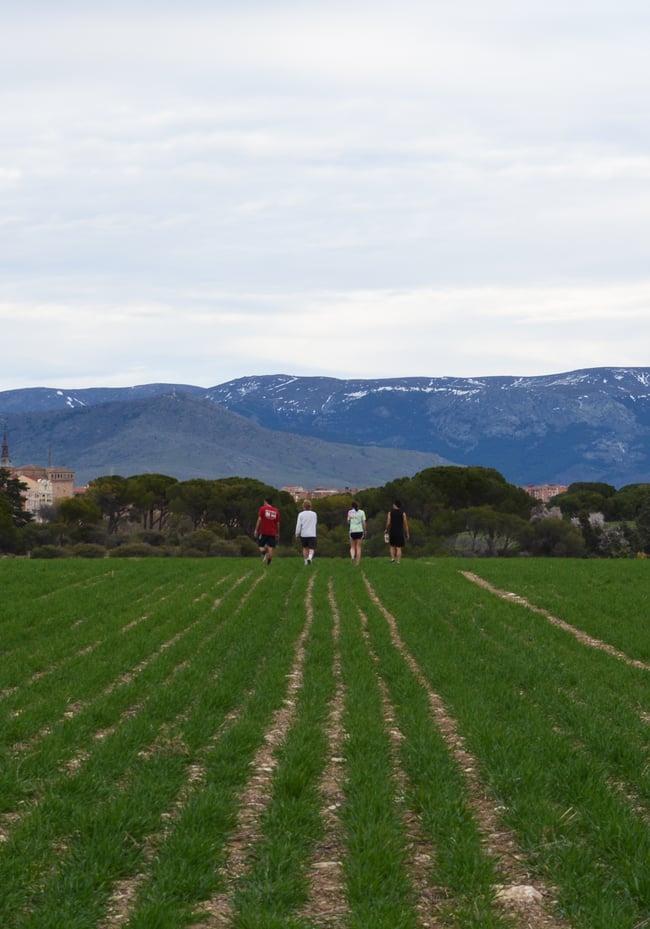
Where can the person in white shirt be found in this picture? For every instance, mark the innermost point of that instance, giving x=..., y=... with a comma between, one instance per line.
x=306, y=531
x=357, y=529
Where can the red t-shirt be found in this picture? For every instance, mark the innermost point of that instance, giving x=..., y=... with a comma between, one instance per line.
x=269, y=519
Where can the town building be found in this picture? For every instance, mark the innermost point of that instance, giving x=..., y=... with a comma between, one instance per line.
x=44, y=486
x=301, y=493
x=60, y=479
x=38, y=494
x=545, y=492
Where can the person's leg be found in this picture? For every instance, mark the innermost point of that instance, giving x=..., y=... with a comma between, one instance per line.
x=398, y=554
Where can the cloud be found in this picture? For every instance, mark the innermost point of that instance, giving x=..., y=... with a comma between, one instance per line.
x=212, y=337
x=466, y=182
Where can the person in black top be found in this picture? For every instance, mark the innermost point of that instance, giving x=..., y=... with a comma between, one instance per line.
x=397, y=527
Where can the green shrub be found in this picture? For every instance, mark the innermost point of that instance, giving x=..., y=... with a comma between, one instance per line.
x=246, y=546
x=150, y=536
x=49, y=551
x=137, y=550
x=89, y=550
x=201, y=539
x=221, y=548
x=191, y=552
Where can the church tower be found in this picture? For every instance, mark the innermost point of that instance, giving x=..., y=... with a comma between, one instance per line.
x=5, y=460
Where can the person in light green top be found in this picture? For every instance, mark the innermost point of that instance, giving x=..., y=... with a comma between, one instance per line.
x=357, y=528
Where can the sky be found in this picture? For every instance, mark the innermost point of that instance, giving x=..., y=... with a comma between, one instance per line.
x=199, y=191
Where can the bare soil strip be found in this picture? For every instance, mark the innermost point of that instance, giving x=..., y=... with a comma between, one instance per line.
x=124, y=895
x=327, y=903
x=238, y=582
x=76, y=708
x=7, y=822
x=421, y=852
x=531, y=905
x=39, y=675
x=72, y=766
x=577, y=633
x=216, y=913
x=135, y=622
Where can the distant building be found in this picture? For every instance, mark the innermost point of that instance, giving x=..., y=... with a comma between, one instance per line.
x=44, y=485
x=61, y=479
x=301, y=493
x=296, y=491
x=5, y=460
x=330, y=491
x=545, y=492
x=38, y=494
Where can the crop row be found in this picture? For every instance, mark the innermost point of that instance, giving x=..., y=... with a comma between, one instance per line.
x=229, y=745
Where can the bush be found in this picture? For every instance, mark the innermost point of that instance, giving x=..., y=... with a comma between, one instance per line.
x=137, y=550
x=89, y=550
x=221, y=548
x=49, y=551
x=200, y=539
x=117, y=539
x=150, y=536
x=247, y=546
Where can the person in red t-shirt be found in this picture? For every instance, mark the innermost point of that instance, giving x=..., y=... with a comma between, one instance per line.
x=267, y=529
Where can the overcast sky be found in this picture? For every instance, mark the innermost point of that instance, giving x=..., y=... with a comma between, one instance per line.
x=192, y=192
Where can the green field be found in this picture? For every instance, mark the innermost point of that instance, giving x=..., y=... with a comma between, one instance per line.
x=214, y=743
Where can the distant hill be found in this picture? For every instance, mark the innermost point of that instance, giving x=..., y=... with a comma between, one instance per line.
x=184, y=436
x=588, y=425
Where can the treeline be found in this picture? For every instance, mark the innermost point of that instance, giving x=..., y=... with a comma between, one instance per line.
x=451, y=510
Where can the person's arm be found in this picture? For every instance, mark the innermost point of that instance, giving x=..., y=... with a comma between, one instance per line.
x=298, y=526
x=257, y=526
x=407, y=534
x=387, y=521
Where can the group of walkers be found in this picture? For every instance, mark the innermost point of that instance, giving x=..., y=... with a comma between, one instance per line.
x=267, y=530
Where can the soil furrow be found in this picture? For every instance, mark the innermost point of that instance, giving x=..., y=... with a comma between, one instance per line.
x=327, y=904
x=421, y=852
x=531, y=905
x=216, y=913
x=561, y=623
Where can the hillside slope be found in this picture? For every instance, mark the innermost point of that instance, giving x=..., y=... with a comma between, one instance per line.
x=587, y=425
x=187, y=437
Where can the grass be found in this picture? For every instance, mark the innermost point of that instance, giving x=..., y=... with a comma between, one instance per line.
x=136, y=702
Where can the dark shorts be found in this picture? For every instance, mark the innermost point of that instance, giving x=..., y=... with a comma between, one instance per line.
x=396, y=539
x=270, y=540
x=308, y=541
x=356, y=535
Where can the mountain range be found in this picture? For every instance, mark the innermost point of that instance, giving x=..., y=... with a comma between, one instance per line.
x=586, y=425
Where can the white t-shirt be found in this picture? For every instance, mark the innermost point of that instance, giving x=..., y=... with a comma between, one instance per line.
x=306, y=524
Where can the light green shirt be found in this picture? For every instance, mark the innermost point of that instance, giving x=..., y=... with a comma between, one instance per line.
x=356, y=519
